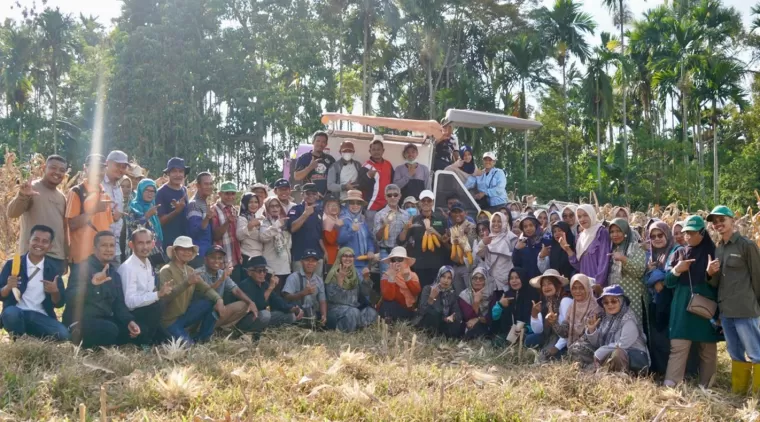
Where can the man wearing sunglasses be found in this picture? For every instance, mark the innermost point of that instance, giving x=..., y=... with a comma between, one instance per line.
x=735, y=271
x=273, y=309
x=305, y=225
x=393, y=217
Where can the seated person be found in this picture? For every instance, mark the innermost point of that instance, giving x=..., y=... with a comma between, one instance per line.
x=439, y=311
x=347, y=307
x=40, y=288
x=399, y=286
x=552, y=308
x=96, y=313
x=512, y=308
x=465, y=166
x=273, y=310
x=474, y=303
x=583, y=307
x=181, y=309
x=218, y=277
x=490, y=185
x=306, y=289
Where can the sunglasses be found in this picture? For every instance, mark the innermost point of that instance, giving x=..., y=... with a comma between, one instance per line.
x=392, y=195
x=658, y=236
x=397, y=260
x=355, y=203
x=606, y=302
x=257, y=270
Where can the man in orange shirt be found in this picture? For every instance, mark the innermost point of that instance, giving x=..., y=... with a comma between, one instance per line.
x=88, y=211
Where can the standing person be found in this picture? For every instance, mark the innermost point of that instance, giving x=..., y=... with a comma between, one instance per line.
x=355, y=232
x=466, y=232
x=735, y=271
x=142, y=212
x=543, y=220
x=411, y=177
x=529, y=246
x=491, y=185
x=126, y=189
x=41, y=203
x=410, y=206
x=627, y=266
x=305, y=226
x=313, y=167
x=346, y=173
x=592, y=246
x=399, y=286
x=261, y=191
x=116, y=167
x=545, y=315
x=276, y=240
x=135, y=173
x=139, y=285
x=392, y=217
x=199, y=216
x=689, y=277
x=96, y=313
x=568, y=216
x=439, y=311
x=427, y=261
x=224, y=227
x=331, y=224
x=273, y=310
x=381, y=171
x=248, y=226
x=282, y=191
x=172, y=201
x=553, y=256
x=88, y=211
x=496, y=249
x=474, y=302
x=40, y=290
x=678, y=233
x=306, y=288
x=347, y=308
x=216, y=273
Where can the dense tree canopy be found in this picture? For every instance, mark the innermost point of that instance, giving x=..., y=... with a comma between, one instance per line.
x=234, y=85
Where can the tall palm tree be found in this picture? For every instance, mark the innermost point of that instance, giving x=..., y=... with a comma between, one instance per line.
x=371, y=13
x=58, y=47
x=564, y=26
x=597, y=87
x=16, y=54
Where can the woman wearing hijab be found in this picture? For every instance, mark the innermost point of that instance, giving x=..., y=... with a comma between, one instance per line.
x=355, y=233
x=399, y=286
x=528, y=246
x=465, y=166
x=627, y=265
x=143, y=213
x=621, y=212
x=568, y=216
x=689, y=277
x=551, y=310
x=543, y=219
x=438, y=310
x=591, y=254
x=248, y=227
x=496, y=250
x=554, y=256
x=474, y=301
x=513, y=306
x=555, y=217
x=347, y=309
x=678, y=233
x=275, y=239
x=583, y=307
x=615, y=340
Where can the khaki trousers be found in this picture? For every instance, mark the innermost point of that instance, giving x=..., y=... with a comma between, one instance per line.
x=235, y=312
x=679, y=354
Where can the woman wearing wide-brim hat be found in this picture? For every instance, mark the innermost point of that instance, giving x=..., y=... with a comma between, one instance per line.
x=551, y=310
x=355, y=232
x=399, y=286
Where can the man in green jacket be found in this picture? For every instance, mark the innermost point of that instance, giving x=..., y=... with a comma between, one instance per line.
x=735, y=271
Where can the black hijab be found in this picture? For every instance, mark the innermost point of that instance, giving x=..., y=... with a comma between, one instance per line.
x=520, y=308
x=558, y=259
x=700, y=254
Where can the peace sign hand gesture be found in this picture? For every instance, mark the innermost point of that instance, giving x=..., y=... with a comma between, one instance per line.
x=26, y=189
x=101, y=277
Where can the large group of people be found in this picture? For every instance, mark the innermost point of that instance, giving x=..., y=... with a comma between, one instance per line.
x=146, y=263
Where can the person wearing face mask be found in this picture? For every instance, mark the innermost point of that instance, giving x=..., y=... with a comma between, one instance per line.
x=410, y=206
x=411, y=177
x=346, y=173
x=491, y=185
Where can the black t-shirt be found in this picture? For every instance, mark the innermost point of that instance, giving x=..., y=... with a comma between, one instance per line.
x=444, y=155
x=318, y=176
x=427, y=259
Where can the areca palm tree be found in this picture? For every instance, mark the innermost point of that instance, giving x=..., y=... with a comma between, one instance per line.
x=564, y=26
x=597, y=86
x=16, y=54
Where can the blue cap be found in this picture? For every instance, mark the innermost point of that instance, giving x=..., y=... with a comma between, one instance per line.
x=309, y=253
x=613, y=290
x=214, y=249
x=281, y=183
x=457, y=206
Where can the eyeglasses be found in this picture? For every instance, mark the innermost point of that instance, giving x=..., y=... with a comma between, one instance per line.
x=478, y=277
x=257, y=270
x=397, y=260
x=392, y=195
x=149, y=191
x=355, y=203
x=606, y=302
x=658, y=236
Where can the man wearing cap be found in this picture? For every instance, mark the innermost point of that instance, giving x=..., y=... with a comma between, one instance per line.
x=381, y=171
x=199, y=216
x=454, y=199
x=171, y=199
x=306, y=288
x=261, y=191
x=466, y=229
x=427, y=262
x=88, y=211
x=41, y=203
x=182, y=309
x=282, y=190
x=313, y=167
x=217, y=275
x=224, y=226
x=116, y=168
x=393, y=217
x=305, y=225
x=491, y=184
x=735, y=271
x=273, y=310
x=411, y=177
x=346, y=173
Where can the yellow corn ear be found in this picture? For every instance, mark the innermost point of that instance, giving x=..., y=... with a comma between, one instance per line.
x=431, y=245
x=16, y=266
x=453, y=251
x=424, y=242
x=436, y=241
x=469, y=257
x=362, y=258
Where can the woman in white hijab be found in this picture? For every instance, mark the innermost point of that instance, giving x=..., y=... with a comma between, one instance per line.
x=495, y=250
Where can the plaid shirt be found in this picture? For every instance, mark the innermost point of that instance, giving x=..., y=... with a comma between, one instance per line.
x=229, y=241
x=396, y=226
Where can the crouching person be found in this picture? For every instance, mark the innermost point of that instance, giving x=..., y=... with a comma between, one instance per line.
x=306, y=289
x=40, y=288
x=218, y=278
x=348, y=309
x=273, y=310
x=181, y=309
x=96, y=313
x=615, y=340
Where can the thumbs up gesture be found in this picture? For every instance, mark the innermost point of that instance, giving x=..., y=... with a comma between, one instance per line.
x=713, y=266
x=101, y=277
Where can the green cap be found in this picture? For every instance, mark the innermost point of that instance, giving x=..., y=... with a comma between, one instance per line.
x=720, y=210
x=694, y=223
x=228, y=187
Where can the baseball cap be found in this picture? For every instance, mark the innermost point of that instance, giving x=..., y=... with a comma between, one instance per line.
x=228, y=186
x=457, y=206
x=214, y=249
x=309, y=187
x=427, y=194
x=256, y=262
x=117, y=156
x=490, y=154
x=347, y=146
x=281, y=183
x=309, y=253
x=694, y=223
x=720, y=210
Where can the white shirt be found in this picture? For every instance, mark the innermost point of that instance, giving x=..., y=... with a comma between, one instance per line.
x=537, y=324
x=138, y=282
x=34, y=294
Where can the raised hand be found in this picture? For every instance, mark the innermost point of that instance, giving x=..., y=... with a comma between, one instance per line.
x=310, y=288
x=26, y=189
x=228, y=271
x=309, y=210
x=545, y=250
x=50, y=286
x=273, y=281
x=434, y=292
x=152, y=211
x=101, y=277
x=504, y=301
x=521, y=243
x=536, y=309
x=371, y=173
x=683, y=265
x=179, y=205
x=365, y=273
x=194, y=278
x=341, y=275
x=255, y=222
x=551, y=318
x=165, y=290
x=713, y=265
x=592, y=322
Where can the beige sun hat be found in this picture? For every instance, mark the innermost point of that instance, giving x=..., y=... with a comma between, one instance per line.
x=536, y=281
x=183, y=242
x=354, y=195
x=399, y=252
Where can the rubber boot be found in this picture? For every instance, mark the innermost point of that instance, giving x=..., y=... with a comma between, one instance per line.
x=740, y=376
x=756, y=378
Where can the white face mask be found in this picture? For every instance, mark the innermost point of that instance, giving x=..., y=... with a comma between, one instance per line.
x=411, y=161
x=515, y=214
x=347, y=156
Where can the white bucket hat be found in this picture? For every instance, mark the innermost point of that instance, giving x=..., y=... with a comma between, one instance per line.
x=399, y=252
x=183, y=242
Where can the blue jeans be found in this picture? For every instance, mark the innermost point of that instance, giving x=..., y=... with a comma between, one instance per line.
x=200, y=310
x=18, y=322
x=383, y=265
x=742, y=337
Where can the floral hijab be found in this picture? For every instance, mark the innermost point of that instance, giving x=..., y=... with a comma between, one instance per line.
x=447, y=296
